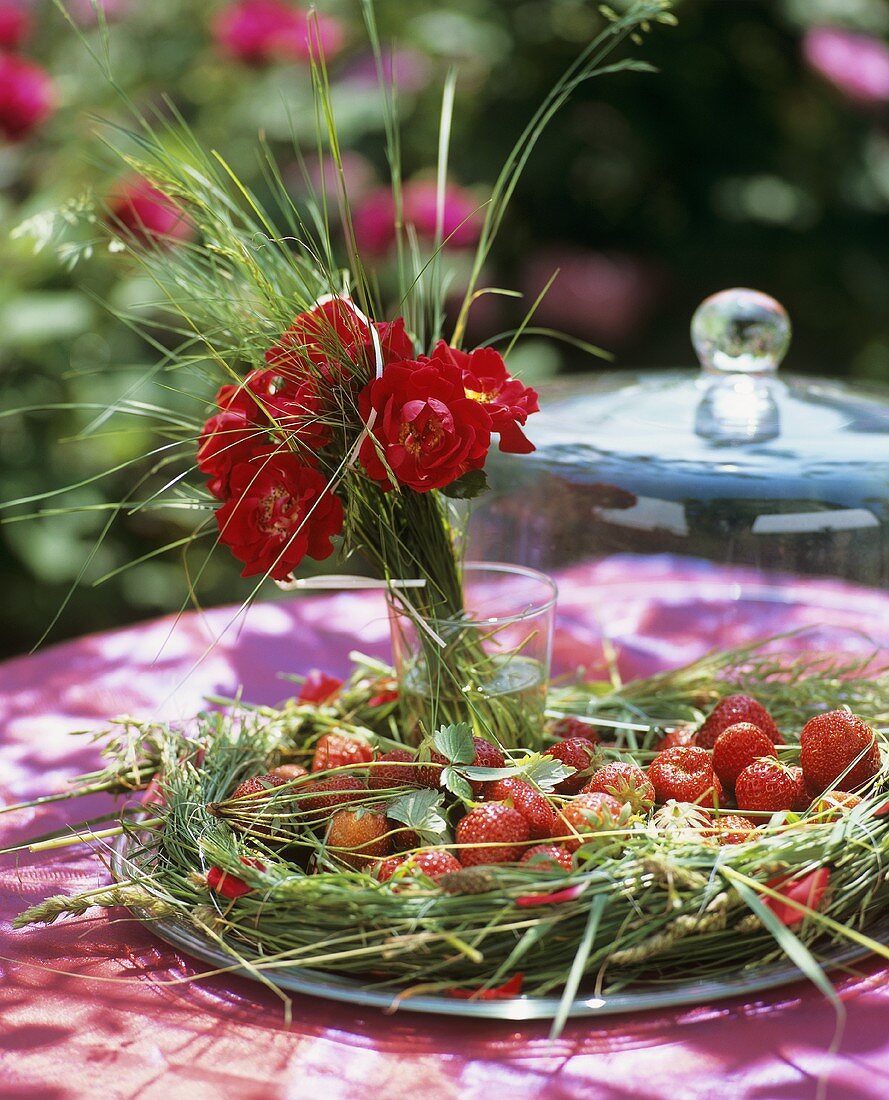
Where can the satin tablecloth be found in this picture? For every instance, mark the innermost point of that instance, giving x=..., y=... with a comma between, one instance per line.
x=97, y=1006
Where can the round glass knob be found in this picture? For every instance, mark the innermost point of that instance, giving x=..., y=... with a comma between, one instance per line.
x=740, y=331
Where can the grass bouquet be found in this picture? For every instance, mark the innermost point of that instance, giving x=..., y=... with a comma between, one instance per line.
x=711, y=823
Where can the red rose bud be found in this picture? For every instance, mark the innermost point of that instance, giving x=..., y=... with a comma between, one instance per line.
x=808, y=891
x=318, y=688
x=259, y=31
x=15, y=24
x=147, y=214
x=229, y=885
x=428, y=430
x=26, y=97
x=279, y=511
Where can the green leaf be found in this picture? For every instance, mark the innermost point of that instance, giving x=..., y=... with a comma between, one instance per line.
x=421, y=811
x=467, y=487
x=545, y=772
x=455, y=743
x=456, y=784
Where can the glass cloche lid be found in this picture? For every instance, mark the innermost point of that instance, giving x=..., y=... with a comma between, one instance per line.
x=733, y=462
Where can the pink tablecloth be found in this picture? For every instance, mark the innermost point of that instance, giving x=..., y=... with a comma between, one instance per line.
x=95, y=1006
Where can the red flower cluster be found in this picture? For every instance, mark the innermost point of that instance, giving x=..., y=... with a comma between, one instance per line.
x=428, y=420
x=26, y=95
x=260, y=31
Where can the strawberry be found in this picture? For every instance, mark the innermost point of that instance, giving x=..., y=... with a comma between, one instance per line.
x=486, y=756
x=736, y=747
x=832, y=805
x=587, y=814
x=288, y=772
x=393, y=769
x=684, y=735
x=838, y=750
x=771, y=786
x=354, y=838
x=432, y=862
x=338, y=750
x=569, y=727
x=403, y=838
x=546, y=857
x=627, y=782
x=324, y=795
x=229, y=885
x=685, y=774
x=531, y=804
x=578, y=753
x=256, y=786
x=491, y=833
x=734, y=829
x=731, y=710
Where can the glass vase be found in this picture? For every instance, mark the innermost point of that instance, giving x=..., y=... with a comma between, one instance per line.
x=488, y=666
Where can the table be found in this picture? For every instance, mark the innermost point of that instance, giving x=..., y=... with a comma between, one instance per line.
x=98, y=1005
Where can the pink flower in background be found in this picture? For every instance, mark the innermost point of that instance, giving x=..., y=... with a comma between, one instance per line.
x=26, y=97
x=148, y=214
x=856, y=64
x=596, y=296
x=260, y=31
x=84, y=11
x=15, y=24
x=358, y=173
x=374, y=218
x=408, y=70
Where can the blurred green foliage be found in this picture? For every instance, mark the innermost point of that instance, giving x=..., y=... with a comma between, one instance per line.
x=739, y=164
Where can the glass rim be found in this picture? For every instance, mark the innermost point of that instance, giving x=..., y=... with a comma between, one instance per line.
x=501, y=568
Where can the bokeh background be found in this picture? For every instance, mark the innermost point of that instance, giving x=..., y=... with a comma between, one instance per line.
x=759, y=155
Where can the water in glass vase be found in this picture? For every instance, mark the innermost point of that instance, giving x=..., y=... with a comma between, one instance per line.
x=503, y=700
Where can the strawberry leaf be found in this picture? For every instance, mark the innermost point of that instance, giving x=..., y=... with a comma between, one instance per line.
x=421, y=811
x=455, y=743
x=456, y=784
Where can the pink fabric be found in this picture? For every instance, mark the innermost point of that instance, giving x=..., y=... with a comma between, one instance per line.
x=92, y=1005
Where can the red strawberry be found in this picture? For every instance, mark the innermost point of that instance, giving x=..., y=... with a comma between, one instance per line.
x=433, y=862
x=832, y=805
x=531, y=804
x=685, y=774
x=325, y=795
x=545, y=857
x=229, y=885
x=338, y=750
x=736, y=747
x=486, y=756
x=569, y=727
x=684, y=735
x=837, y=743
x=734, y=829
x=288, y=772
x=585, y=815
x=403, y=838
x=356, y=838
x=498, y=830
x=627, y=782
x=393, y=769
x=578, y=753
x=729, y=712
x=771, y=786
x=255, y=786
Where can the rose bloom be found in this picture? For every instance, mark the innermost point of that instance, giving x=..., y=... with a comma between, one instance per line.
x=234, y=435
x=279, y=511
x=407, y=70
x=428, y=430
x=15, y=24
x=374, y=218
x=508, y=402
x=260, y=31
x=856, y=64
x=318, y=687
x=148, y=214
x=331, y=339
x=26, y=97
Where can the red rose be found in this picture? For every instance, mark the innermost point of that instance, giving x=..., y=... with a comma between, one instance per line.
x=26, y=97
x=148, y=214
x=293, y=407
x=318, y=687
x=428, y=430
x=279, y=511
x=506, y=399
x=15, y=24
x=332, y=340
x=374, y=217
x=259, y=31
x=236, y=434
